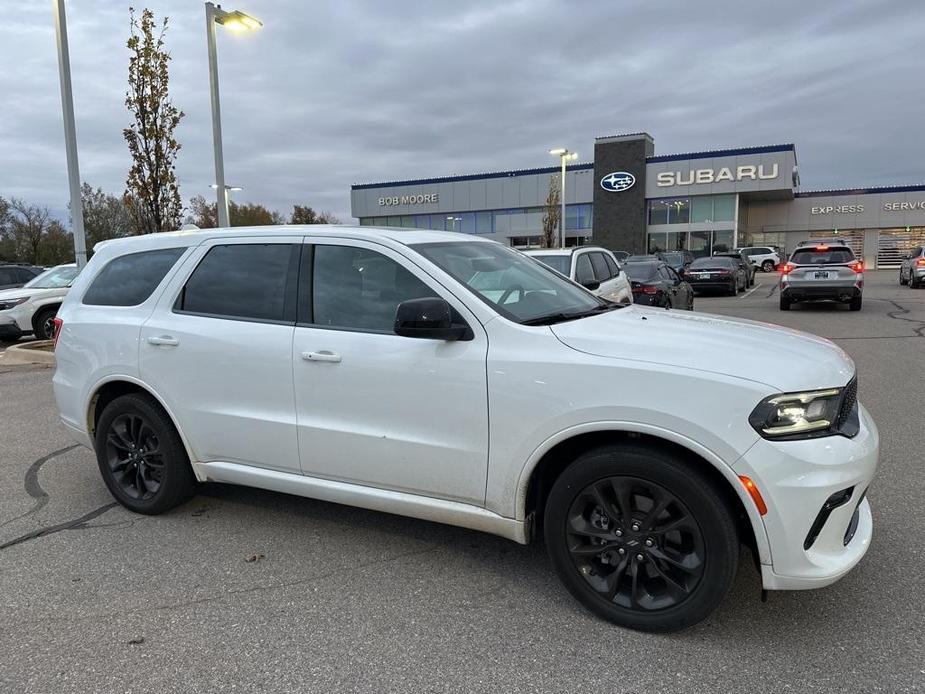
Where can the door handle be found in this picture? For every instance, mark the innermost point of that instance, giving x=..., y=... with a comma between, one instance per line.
x=164, y=341
x=323, y=355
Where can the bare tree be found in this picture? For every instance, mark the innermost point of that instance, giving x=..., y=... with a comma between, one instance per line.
x=551, y=214
x=246, y=214
x=303, y=214
x=152, y=194
x=27, y=229
x=7, y=247
x=105, y=216
x=57, y=245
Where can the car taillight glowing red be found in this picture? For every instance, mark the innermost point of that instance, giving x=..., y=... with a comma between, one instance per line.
x=58, y=325
x=787, y=268
x=920, y=261
x=857, y=266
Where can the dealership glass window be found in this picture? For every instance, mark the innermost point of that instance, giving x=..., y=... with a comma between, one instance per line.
x=658, y=212
x=422, y=221
x=380, y=221
x=724, y=208
x=483, y=222
x=366, y=221
x=502, y=222
x=438, y=221
x=679, y=211
x=525, y=241
x=466, y=223
x=577, y=216
x=722, y=240
x=407, y=221
x=657, y=242
x=699, y=243
x=675, y=240
x=702, y=209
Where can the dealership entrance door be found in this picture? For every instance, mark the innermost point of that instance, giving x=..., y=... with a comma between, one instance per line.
x=895, y=244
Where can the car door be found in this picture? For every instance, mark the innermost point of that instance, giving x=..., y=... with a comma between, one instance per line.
x=681, y=290
x=375, y=408
x=218, y=350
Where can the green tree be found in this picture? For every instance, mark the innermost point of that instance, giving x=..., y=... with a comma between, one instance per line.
x=7, y=247
x=551, y=214
x=303, y=214
x=105, y=216
x=152, y=194
x=57, y=245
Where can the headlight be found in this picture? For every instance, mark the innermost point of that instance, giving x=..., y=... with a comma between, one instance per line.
x=10, y=303
x=798, y=415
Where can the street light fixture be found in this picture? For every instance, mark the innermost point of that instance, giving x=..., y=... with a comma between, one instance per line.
x=236, y=21
x=564, y=156
x=214, y=186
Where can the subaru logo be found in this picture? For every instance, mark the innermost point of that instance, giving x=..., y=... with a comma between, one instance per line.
x=617, y=181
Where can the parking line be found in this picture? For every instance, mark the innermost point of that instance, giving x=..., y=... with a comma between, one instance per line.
x=742, y=296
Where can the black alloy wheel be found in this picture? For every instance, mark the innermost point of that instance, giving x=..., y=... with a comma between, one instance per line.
x=768, y=266
x=640, y=537
x=44, y=324
x=141, y=456
x=635, y=543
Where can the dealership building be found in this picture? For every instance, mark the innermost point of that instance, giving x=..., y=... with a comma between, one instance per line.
x=632, y=199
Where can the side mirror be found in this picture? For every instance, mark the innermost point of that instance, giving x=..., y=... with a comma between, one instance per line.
x=430, y=318
x=590, y=284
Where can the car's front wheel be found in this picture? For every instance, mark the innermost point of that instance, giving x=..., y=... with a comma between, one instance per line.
x=141, y=457
x=641, y=538
x=43, y=324
x=768, y=266
x=902, y=280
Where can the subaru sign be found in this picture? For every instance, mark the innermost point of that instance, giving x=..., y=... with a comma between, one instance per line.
x=618, y=181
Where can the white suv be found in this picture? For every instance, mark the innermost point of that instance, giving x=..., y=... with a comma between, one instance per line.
x=31, y=309
x=595, y=269
x=360, y=366
x=764, y=257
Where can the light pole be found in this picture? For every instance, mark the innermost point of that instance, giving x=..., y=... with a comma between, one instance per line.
x=235, y=21
x=70, y=134
x=564, y=156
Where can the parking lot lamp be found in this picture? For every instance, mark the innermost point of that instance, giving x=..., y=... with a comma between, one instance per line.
x=564, y=156
x=236, y=21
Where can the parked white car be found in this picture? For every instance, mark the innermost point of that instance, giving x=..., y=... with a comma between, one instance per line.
x=31, y=309
x=361, y=366
x=762, y=256
x=594, y=268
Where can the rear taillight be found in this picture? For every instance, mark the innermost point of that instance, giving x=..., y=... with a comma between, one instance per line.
x=857, y=265
x=644, y=289
x=920, y=261
x=58, y=325
x=787, y=268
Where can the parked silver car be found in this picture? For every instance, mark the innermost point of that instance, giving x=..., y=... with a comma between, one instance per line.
x=822, y=272
x=912, y=270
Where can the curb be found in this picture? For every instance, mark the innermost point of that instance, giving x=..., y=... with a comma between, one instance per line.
x=28, y=354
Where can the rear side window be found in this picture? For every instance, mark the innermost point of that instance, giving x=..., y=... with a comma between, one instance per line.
x=584, y=273
x=244, y=281
x=601, y=271
x=821, y=256
x=130, y=279
x=612, y=265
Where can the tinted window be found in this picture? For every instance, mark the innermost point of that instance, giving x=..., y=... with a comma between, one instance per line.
x=584, y=272
x=57, y=277
x=129, y=279
x=712, y=262
x=359, y=289
x=640, y=271
x=822, y=256
x=601, y=271
x=612, y=265
x=246, y=281
x=6, y=277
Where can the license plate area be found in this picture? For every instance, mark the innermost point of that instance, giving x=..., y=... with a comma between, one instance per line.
x=822, y=275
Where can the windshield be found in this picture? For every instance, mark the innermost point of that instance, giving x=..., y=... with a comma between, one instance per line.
x=513, y=284
x=559, y=263
x=55, y=278
x=640, y=271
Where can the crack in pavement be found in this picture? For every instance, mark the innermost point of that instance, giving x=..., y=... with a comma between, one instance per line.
x=31, y=483
x=897, y=315
x=51, y=529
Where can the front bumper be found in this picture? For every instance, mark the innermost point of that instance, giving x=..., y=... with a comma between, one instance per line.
x=795, y=479
x=817, y=292
x=9, y=330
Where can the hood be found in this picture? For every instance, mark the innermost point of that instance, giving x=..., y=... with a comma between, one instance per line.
x=33, y=292
x=787, y=360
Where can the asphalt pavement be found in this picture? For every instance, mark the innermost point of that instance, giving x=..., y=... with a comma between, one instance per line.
x=242, y=590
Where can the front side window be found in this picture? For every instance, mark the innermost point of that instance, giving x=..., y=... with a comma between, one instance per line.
x=129, y=279
x=559, y=263
x=244, y=282
x=358, y=289
x=511, y=283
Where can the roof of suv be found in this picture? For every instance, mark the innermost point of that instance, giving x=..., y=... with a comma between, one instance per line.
x=193, y=237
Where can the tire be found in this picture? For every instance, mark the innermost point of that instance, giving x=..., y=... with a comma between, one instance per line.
x=902, y=281
x=668, y=598
x=855, y=304
x=43, y=326
x=734, y=289
x=785, y=303
x=912, y=283
x=133, y=423
x=768, y=266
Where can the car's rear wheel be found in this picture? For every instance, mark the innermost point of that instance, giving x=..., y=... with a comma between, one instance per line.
x=141, y=457
x=855, y=304
x=768, y=266
x=43, y=323
x=902, y=280
x=640, y=538
x=912, y=283
x=734, y=288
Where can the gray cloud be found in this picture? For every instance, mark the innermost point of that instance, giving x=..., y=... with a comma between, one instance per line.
x=329, y=94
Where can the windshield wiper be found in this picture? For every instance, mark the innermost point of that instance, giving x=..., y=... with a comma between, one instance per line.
x=553, y=318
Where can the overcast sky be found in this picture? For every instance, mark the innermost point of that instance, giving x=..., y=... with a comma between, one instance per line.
x=333, y=93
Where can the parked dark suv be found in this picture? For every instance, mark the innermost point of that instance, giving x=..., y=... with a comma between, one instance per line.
x=14, y=276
